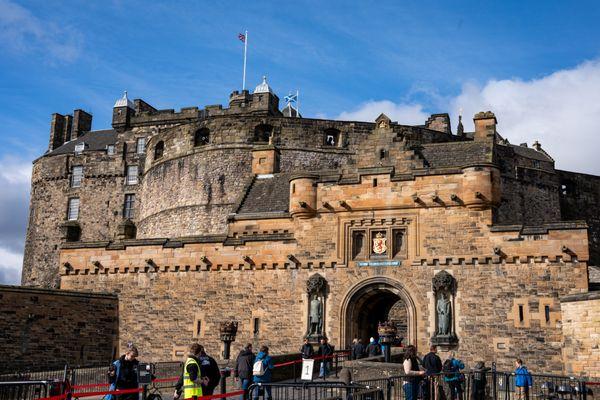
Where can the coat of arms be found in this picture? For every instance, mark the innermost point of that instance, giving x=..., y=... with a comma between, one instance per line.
x=379, y=244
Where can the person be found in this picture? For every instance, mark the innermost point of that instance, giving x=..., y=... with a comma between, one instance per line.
x=266, y=368
x=243, y=367
x=123, y=375
x=307, y=350
x=358, y=350
x=452, y=384
x=412, y=373
x=479, y=381
x=523, y=381
x=191, y=381
x=210, y=369
x=325, y=351
x=373, y=348
x=433, y=366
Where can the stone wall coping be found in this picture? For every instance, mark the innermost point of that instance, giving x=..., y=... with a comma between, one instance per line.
x=595, y=295
x=258, y=216
x=539, y=229
x=54, y=292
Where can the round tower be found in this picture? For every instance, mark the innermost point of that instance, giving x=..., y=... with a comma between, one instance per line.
x=303, y=195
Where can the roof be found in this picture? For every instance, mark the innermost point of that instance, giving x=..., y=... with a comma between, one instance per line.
x=124, y=102
x=268, y=194
x=263, y=87
x=530, y=153
x=290, y=111
x=455, y=154
x=94, y=140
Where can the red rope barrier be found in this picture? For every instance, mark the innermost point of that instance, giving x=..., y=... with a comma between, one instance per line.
x=218, y=396
x=117, y=392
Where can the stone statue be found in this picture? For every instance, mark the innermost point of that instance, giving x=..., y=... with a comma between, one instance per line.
x=444, y=315
x=315, y=316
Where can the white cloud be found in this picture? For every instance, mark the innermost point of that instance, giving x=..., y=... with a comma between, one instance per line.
x=408, y=114
x=23, y=32
x=561, y=110
x=15, y=177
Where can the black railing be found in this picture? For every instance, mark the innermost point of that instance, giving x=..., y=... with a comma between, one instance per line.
x=313, y=391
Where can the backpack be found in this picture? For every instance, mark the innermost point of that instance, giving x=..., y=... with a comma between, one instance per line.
x=448, y=366
x=258, y=369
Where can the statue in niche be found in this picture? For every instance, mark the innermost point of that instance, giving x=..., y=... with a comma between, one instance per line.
x=444, y=312
x=316, y=287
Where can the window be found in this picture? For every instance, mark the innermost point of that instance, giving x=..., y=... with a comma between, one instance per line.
x=331, y=137
x=73, y=209
x=547, y=313
x=521, y=315
x=201, y=137
x=262, y=133
x=198, y=327
x=132, y=175
x=159, y=150
x=76, y=176
x=256, y=326
x=110, y=149
x=374, y=182
x=141, y=145
x=128, y=206
x=536, y=164
x=381, y=154
x=79, y=147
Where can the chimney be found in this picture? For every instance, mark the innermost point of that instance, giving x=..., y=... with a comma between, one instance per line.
x=82, y=122
x=485, y=125
x=57, y=128
x=439, y=122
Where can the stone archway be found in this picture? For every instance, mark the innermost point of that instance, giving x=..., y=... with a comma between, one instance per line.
x=373, y=300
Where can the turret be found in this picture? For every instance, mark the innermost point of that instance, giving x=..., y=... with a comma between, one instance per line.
x=481, y=186
x=261, y=102
x=303, y=195
x=123, y=110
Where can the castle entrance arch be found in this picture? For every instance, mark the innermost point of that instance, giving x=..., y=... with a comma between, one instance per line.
x=376, y=300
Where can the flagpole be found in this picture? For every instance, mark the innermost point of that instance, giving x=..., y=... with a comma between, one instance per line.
x=245, y=51
x=297, y=103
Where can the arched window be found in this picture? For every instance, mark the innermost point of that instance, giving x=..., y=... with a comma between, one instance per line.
x=201, y=137
x=262, y=133
x=159, y=150
x=331, y=137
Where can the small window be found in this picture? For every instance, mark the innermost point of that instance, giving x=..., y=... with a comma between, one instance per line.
x=198, y=327
x=76, y=176
x=331, y=137
x=262, y=133
x=128, y=206
x=132, y=175
x=381, y=154
x=73, y=209
x=256, y=326
x=110, y=149
x=358, y=243
x=79, y=147
x=141, y=145
x=521, y=315
x=201, y=137
x=374, y=182
x=547, y=313
x=159, y=150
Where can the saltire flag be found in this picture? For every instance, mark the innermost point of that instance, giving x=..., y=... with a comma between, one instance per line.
x=291, y=98
x=242, y=37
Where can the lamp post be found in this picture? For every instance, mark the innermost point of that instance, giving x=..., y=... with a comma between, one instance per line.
x=387, y=335
x=228, y=331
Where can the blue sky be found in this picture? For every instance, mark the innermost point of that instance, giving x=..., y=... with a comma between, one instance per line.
x=536, y=64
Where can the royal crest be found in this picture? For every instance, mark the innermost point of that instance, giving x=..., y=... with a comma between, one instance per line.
x=379, y=244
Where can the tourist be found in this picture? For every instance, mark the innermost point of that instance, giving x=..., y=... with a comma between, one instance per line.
x=262, y=370
x=191, y=382
x=210, y=369
x=325, y=352
x=523, y=381
x=243, y=367
x=307, y=350
x=373, y=348
x=358, y=350
x=123, y=374
x=433, y=366
x=452, y=377
x=479, y=381
x=412, y=373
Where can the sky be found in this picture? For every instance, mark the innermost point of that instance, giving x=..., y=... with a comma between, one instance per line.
x=535, y=64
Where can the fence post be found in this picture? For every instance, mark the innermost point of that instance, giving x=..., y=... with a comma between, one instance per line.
x=506, y=386
x=494, y=381
x=336, y=356
x=389, y=388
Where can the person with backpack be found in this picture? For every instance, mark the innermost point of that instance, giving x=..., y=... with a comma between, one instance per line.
x=123, y=375
x=325, y=352
x=262, y=371
x=412, y=373
x=479, y=381
x=523, y=381
x=307, y=350
x=243, y=366
x=452, y=377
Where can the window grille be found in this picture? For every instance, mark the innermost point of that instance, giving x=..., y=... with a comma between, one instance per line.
x=76, y=176
x=132, y=175
x=128, y=207
x=141, y=145
x=73, y=209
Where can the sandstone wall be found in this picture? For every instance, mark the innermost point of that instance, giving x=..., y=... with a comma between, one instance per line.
x=42, y=328
x=581, y=330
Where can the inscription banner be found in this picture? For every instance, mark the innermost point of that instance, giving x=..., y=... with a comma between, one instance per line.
x=388, y=263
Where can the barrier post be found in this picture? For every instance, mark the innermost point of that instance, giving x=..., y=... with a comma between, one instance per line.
x=494, y=381
x=389, y=388
x=295, y=376
x=144, y=392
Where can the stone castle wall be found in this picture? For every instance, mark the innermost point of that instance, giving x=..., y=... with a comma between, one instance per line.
x=45, y=329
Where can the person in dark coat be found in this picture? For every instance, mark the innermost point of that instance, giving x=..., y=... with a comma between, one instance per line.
x=373, y=348
x=479, y=381
x=433, y=366
x=123, y=374
x=209, y=369
x=307, y=350
x=358, y=350
x=325, y=351
x=243, y=367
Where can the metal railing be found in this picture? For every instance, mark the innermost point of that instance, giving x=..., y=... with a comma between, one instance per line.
x=25, y=390
x=313, y=391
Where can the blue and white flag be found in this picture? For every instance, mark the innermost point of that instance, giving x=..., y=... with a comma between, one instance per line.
x=291, y=98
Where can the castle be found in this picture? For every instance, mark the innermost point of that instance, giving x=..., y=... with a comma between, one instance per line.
x=306, y=227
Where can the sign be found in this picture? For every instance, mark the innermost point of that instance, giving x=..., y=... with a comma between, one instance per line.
x=391, y=263
x=308, y=365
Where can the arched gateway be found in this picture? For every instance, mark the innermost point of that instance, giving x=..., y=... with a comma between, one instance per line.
x=373, y=300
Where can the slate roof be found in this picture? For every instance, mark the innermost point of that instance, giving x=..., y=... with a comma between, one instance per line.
x=454, y=154
x=267, y=195
x=530, y=153
x=94, y=140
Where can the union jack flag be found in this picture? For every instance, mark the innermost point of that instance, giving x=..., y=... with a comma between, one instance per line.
x=242, y=37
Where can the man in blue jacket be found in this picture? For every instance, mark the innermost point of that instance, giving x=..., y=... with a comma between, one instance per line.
x=452, y=377
x=523, y=381
x=262, y=372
